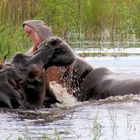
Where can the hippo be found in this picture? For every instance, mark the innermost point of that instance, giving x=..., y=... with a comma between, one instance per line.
x=22, y=80
x=38, y=31
x=21, y=83
x=89, y=82
x=86, y=81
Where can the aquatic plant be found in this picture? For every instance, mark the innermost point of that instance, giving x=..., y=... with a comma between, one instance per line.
x=96, y=130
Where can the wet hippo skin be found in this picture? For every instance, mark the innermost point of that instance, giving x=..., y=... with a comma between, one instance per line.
x=101, y=83
x=21, y=83
x=22, y=80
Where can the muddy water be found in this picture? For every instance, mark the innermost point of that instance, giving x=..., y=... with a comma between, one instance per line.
x=113, y=118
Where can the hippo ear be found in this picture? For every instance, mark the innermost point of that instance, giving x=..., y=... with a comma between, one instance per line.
x=53, y=41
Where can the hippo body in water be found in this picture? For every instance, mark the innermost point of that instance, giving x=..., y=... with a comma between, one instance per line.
x=101, y=83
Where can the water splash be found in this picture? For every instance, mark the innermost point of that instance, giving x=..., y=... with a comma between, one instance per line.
x=66, y=99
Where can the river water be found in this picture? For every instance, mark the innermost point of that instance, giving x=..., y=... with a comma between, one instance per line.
x=116, y=118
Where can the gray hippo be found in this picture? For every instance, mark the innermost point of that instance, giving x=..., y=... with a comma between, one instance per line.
x=22, y=80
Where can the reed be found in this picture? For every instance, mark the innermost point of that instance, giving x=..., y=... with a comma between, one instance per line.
x=89, y=18
x=12, y=40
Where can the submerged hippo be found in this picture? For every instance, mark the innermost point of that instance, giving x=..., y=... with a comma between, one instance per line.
x=22, y=80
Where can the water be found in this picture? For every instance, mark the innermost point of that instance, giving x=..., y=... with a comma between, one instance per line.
x=106, y=51
x=113, y=118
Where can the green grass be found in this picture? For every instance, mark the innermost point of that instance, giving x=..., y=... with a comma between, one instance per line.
x=84, y=18
x=12, y=40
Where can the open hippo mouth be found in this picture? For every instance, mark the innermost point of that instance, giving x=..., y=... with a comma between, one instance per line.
x=22, y=80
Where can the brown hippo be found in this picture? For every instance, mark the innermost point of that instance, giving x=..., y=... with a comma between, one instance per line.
x=22, y=80
x=101, y=83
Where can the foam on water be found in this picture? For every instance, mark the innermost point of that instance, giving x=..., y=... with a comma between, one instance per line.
x=126, y=98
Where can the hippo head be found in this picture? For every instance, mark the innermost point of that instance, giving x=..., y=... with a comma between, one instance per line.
x=22, y=82
x=53, y=52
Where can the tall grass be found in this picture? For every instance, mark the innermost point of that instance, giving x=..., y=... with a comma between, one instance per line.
x=12, y=40
x=88, y=18
x=12, y=37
